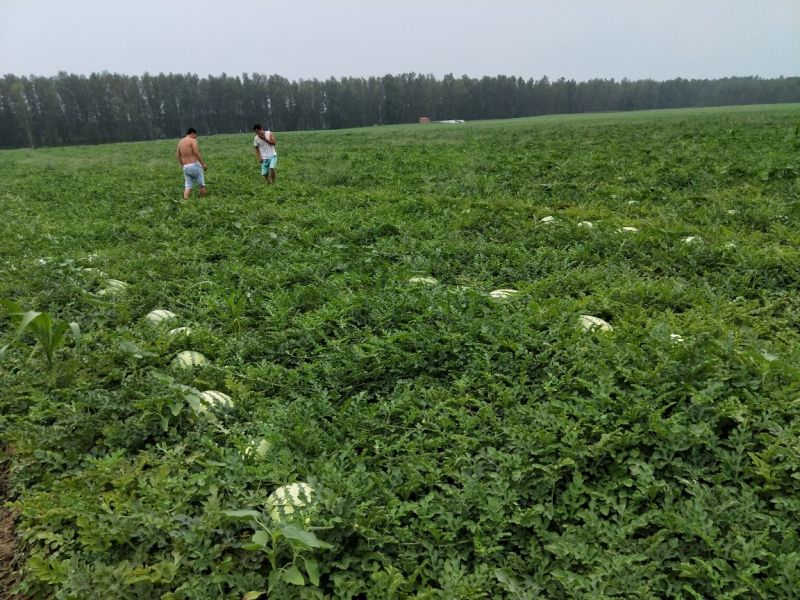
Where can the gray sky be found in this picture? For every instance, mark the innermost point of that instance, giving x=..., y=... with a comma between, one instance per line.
x=304, y=39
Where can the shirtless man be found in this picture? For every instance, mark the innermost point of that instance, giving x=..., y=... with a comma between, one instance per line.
x=188, y=154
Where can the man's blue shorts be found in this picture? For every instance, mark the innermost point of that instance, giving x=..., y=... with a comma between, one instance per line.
x=269, y=163
x=193, y=173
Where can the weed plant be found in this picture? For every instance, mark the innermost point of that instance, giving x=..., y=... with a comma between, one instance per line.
x=459, y=446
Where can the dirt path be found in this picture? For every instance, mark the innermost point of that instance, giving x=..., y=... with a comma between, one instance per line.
x=8, y=574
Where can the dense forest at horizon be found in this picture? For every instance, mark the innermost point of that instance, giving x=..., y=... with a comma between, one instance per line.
x=107, y=107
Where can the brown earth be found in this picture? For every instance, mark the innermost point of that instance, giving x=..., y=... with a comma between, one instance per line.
x=8, y=547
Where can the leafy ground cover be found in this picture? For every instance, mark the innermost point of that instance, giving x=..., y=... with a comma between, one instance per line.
x=458, y=445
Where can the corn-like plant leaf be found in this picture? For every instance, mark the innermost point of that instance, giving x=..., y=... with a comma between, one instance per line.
x=20, y=316
x=49, y=335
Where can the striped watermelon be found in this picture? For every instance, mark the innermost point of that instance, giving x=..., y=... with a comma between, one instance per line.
x=590, y=323
x=503, y=293
x=95, y=272
x=257, y=448
x=211, y=399
x=113, y=287
x=180, y=331
x=189, y=359
x=159, y=315
x=287, y=499
x=424, y=280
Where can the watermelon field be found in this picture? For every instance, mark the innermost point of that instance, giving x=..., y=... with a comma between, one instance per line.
x=438, y=440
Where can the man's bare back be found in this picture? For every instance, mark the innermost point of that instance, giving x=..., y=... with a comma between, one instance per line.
x=188, y=151
x=188, y=155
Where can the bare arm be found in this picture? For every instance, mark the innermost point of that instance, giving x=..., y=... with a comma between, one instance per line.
x=271, y=138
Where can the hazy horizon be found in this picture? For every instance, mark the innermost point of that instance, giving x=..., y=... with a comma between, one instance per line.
x=312, y=39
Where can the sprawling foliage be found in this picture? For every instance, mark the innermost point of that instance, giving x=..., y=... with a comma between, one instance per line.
x=458, y=445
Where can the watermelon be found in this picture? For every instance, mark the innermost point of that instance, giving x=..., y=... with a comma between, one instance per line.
x=590, y=323
x=259, y=448
x=180, y=331
x=288, y=499
x=211, y=399
x=424, y=280
x=113, y=287
x=188, y=359
x=94, y=272
x=159, y=315
x=502, y=293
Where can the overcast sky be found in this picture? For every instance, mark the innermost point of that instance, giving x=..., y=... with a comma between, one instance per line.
x=304, y=39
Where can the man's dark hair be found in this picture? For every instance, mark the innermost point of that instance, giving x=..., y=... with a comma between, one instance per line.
x=191, y=130
x=257, y=126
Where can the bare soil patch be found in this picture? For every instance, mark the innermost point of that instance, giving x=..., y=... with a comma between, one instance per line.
x=9, y=575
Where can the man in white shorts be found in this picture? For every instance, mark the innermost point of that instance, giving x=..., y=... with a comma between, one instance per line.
x=188, y=154
x=264, y=143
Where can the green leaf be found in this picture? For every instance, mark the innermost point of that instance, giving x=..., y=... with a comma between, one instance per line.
x=252, y=595
x=12, y=308
x=252, y=547
x=162, y=377
x=242, y=514
x=132, y=349
x=304, y=537
x=24, y=319
x=55, y=338
x=294, y=576
x=312, y=568
x=194, y=402
x=261, y=538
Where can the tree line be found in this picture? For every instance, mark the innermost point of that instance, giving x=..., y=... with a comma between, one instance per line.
x=106, y=107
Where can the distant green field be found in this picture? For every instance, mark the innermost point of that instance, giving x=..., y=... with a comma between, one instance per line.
x=457, y=445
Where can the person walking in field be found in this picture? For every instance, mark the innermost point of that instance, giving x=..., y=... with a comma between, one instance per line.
x=264, y=143
x=188, y=154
